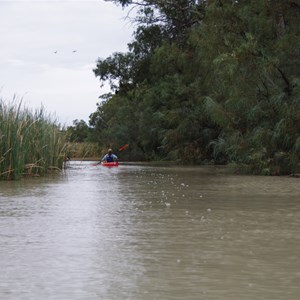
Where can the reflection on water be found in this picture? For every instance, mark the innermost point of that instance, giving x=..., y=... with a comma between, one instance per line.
x=138, y=232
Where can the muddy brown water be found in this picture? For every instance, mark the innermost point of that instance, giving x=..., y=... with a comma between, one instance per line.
x=148, y=232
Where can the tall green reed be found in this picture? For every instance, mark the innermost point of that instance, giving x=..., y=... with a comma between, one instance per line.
x=31, y=142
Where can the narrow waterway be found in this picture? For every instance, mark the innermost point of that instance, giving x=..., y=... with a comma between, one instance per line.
x=144, y=232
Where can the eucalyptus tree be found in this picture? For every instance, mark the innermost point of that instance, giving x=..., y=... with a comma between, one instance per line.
x=208, y=80
x=135, y=75
x=175, y=16
x=253, y=49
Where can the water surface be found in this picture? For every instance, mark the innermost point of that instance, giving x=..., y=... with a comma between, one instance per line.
x=142, y=232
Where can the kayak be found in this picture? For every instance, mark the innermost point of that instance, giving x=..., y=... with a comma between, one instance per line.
x=110, y=164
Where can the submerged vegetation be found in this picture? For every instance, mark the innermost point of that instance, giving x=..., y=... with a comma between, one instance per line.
x=207, y=82
x=31, y=143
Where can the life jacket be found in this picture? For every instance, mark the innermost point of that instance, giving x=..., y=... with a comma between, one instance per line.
x=109, y=158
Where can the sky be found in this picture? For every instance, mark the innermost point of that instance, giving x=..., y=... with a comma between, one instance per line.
x=49, y=49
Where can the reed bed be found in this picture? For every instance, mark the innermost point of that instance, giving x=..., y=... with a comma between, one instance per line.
x=85, y=150
x=31, y=142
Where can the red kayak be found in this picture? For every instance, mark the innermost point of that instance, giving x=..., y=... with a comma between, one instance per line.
x=110, y=164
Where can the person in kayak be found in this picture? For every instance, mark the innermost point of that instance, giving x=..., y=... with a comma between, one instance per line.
x=109, y=157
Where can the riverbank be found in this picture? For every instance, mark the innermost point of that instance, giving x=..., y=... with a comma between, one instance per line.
x=224, y=169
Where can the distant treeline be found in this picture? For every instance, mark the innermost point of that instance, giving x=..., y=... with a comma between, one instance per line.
x=206, y=82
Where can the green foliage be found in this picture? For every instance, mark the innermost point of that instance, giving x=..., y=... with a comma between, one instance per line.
x=117, y=69
x=80, y=132
x=30, y=142
x=217, y=81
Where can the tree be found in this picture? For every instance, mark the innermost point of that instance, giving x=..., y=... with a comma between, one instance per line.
x=254, y=100
x=79, y=132
x=174, y=16
x=215, y=81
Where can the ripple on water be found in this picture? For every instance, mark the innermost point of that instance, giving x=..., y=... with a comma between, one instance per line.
x=129, y=233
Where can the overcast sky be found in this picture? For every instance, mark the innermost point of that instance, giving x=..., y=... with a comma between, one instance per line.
x=63, y=82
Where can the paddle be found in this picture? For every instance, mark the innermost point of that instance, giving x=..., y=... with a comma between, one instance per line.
x=123, y=147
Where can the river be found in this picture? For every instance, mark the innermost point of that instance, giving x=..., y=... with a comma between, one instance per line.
x=150, y=232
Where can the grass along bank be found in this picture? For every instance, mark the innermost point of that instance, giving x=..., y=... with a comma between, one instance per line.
x=31, y=142
x=84, y=151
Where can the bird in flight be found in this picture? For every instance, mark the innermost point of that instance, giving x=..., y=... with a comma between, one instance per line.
x=74, y=51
